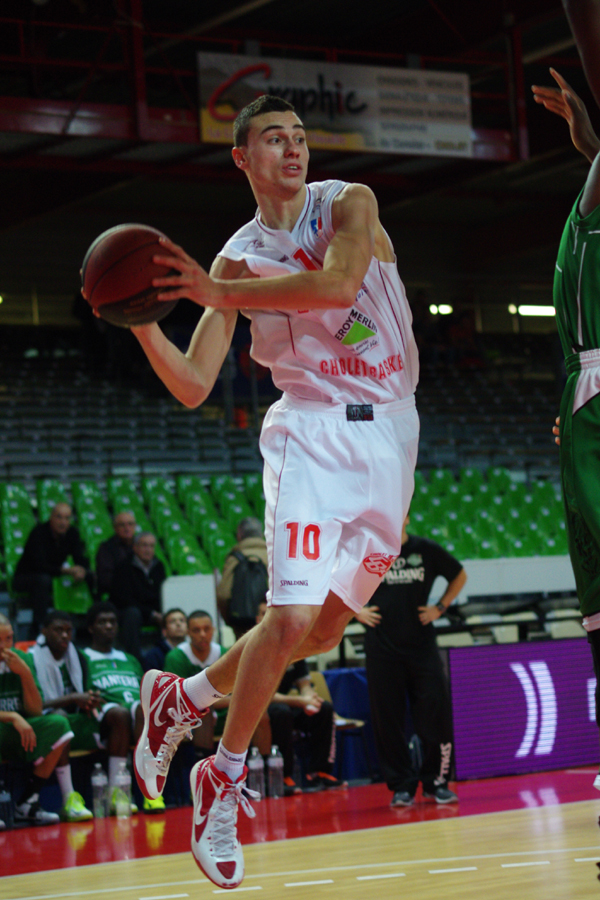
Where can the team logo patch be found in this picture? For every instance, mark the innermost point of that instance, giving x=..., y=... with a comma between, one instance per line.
x=378, y=563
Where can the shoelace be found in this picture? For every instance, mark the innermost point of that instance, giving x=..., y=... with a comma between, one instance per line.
x=181, y=728
x=225, y=818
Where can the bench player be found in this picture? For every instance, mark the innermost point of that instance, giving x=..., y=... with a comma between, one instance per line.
x=316, y=274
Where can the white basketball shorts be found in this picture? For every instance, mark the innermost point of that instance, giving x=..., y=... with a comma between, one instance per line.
x=338, y=483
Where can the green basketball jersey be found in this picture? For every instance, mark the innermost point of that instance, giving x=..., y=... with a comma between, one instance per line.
x=182, y=661
x=577, y=283
x=117, y=675
x=11, y=689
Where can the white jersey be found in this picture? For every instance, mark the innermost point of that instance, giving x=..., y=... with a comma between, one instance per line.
x=363, y=354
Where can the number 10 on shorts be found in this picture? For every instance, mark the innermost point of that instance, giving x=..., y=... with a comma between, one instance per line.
x=304, y=539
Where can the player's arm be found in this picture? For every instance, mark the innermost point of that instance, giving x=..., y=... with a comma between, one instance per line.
x=191, y=376
x=430, y=613
x=564, y=102
x=32, y=699
x=355, y=222
x=584, y=19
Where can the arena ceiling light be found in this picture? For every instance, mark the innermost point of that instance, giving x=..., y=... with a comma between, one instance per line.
x=529, y=310
x=444, y=309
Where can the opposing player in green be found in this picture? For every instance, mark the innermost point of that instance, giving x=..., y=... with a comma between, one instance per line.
x=576, y=293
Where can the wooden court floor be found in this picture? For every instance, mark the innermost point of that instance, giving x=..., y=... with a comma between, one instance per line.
x=534, y=837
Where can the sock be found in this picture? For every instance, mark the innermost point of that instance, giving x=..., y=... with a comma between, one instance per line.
x=114, y=763
x=200, y=691
x=65, y=781
x=232, y=764
x=31, y=791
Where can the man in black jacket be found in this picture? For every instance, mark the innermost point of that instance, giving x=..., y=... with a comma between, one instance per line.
x=115, y=550
x=47, y=549
x=136, y=592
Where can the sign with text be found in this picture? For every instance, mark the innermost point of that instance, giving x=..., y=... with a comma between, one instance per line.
x=344, y=107
x=523, y=707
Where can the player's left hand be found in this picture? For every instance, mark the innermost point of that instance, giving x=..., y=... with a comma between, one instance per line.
x=428, y=614
x=566, y=103
x=192, y=282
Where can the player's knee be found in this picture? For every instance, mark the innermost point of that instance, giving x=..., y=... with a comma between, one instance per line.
x=290, y=624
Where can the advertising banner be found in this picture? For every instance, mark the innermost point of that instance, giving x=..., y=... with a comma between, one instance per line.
x=344, y=107
x=523, y=707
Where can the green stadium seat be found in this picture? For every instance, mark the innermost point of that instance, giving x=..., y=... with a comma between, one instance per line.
x=441, y=480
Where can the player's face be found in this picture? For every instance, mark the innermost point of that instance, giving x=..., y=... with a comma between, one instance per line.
x=201, y=634
x=176, y=627
x=58, y=637
x=104, y=630
x=6, y=638
x=276, y=156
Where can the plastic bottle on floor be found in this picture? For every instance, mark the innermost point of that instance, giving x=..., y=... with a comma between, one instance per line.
x=99, y=791
x=256, y=772
x=275, y=768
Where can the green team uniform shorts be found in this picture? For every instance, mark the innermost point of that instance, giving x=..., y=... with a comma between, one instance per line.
x=580, y=475
x=86, y=730
x=50, y=731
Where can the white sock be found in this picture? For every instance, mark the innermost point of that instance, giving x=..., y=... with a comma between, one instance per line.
x=200, y=691
x=114, y=764
x=232, y=764
x=65, y=782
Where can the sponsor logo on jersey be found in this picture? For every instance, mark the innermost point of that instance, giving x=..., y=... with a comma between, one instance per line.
x=10, y=704
x=316, y=222
x=349, y=365
x=378, y=563
x=285, y=583
x=356, y=328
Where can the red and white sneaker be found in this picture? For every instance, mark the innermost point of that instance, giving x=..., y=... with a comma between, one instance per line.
x=215, y=843
x=168, y=717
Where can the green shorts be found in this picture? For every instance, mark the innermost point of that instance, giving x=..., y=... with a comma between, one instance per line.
x=50, y=731
x=580, y=476
x=86, y=730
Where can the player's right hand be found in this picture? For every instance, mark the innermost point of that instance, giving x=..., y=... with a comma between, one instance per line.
x=556, y=430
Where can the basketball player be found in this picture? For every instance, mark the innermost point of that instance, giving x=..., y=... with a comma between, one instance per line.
x=576, y=289
x=316, y=274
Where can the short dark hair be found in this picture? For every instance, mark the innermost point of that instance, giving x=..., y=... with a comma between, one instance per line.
x=57, y=615
x=96, y=609
x=169, y=612
x=199, y=614
x=264, y=104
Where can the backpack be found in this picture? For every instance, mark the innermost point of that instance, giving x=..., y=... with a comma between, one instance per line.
x=250, y=584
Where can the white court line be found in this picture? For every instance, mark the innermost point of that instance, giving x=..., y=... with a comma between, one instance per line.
x=588, y=859
x=308, y=883
x=373, y=877
x=540, y=862
x=263, y=875
x=237, y=890
x=446, y=871
x=165, y=897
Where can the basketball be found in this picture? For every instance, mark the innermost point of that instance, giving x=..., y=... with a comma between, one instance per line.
x=117, y=273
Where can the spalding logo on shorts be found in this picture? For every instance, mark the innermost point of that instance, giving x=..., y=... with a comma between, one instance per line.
x=378, y=563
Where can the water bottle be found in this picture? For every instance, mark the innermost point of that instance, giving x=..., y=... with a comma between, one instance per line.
x=6, y=807
x=275, y=767
x=123, y=792
x=100, y=791
x=256, y=772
